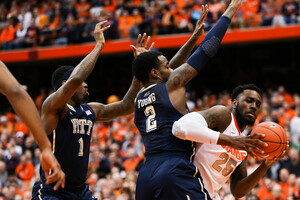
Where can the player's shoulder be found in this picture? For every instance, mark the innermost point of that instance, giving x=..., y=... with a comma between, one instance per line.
x=220, y=109
x=218, y=117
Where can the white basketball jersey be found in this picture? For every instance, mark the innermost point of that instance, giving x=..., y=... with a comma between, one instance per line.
x=216, y=163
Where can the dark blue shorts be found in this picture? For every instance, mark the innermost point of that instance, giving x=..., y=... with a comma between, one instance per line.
x=166, y=178
x=42, y=191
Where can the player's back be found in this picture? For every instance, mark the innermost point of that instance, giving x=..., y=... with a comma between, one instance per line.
x=154, y=118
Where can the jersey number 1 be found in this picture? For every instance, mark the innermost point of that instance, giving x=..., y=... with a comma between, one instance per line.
x=151, y=123
x=80, y=153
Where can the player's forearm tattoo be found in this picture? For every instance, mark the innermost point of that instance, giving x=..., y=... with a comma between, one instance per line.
x=211, y=121
x=126, y=106
x=182, y=77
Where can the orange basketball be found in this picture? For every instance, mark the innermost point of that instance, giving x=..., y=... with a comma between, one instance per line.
x=275, y=137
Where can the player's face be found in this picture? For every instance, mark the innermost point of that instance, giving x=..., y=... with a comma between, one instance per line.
x=82, y=94
x=248, y=106
x=164, y=68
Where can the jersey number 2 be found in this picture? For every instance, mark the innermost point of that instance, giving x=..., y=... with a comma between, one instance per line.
x=151, y=123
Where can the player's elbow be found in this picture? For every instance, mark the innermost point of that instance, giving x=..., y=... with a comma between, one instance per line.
x=237, y=195
x=14, y=91
x=237, y=192
x=178, y=130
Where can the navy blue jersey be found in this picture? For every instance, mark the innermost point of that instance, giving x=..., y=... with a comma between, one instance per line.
x=71, y=143
x=154, y=118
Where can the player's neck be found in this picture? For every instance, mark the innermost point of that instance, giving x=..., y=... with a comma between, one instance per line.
x=151, y=82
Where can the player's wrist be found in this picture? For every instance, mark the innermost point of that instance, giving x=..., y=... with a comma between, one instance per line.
x=224, y=140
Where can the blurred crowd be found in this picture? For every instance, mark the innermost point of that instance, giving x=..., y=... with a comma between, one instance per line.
x=31, y=23
x=117, y=151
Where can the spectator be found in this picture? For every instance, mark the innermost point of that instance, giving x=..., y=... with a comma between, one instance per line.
x=132, y=160
x=165, y=21
x=265, y=190
x=3, y=173
x=83, y=9
x=277, y=192
x=283, y=183
x=32, y=36
x=290, y=11
x=295, y=127
x=293, y=165
x=25, y=171
x=19, y=41
x=11, y=160
x=7, y=36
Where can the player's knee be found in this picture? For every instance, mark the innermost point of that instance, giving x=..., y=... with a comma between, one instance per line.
x=178, y=130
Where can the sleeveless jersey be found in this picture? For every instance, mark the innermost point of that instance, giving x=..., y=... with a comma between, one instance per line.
x=154, y=118
x=216, y=162
x=71, y=143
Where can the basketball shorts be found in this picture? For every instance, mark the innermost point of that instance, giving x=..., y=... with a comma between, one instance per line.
x=42, y=191
x=166, y=178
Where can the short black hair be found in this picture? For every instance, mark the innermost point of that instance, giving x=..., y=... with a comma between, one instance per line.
x=143, y=64
x=58, y=73
x=240, y=89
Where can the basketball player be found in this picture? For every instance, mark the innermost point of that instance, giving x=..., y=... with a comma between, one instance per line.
x=218, y=163
x=69, y=120
x=168, y=172
x=26, y=110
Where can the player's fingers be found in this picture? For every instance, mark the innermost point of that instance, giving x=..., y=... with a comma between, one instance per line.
x=133, y=47
x=105, y=28
x=152, y=45
x=143, y=39
x=100, y=24
x=52, y=178
x=138, y=41
x=257, y=135
x=255, y=148
x=259, y=142
x=147, y=42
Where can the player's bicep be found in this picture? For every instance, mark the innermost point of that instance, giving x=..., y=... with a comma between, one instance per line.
x=180, y=77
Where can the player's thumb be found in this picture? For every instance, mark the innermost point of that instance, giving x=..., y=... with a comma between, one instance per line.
x=133, y=47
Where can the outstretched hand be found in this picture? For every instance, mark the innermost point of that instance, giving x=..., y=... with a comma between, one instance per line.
x=98, y=32
x=48, y=162
x=140, y=47
x=200, y=25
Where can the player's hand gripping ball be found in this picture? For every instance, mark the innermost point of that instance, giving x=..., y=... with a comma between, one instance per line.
x=275, y=137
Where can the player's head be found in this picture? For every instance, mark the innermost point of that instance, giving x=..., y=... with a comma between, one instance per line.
x=151, y=66
x=246, y=103
x=61, y=75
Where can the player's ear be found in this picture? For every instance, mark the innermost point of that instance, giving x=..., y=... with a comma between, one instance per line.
x=154, y=73
x=234, y=103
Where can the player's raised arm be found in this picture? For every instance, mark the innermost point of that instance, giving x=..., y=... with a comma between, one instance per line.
x=126, y=105
x=55, y=104
x=207, y=49
x=26, y=109
x=185, y=51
